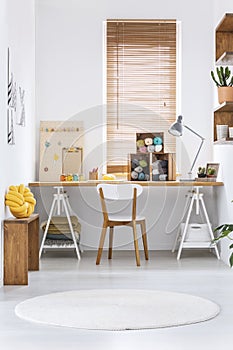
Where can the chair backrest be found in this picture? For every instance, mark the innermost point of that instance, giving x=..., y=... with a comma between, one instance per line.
x=119, y=191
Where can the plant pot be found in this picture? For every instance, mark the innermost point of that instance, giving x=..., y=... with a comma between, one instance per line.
x=225, y=94
x=201, y=175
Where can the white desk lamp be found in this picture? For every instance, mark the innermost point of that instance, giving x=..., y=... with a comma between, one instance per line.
x=176, y=129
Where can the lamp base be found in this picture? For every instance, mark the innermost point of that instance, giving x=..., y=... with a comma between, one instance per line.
x=186, y=180
x=189, y=178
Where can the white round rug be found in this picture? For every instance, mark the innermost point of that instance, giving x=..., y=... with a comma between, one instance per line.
x=117, y=309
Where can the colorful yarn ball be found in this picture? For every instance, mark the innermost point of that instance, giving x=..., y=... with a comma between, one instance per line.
x=143, y=149
x=143, y=163
x=135, y=163
x=134, y=175
x=148, y=141
x=138, y=169
x=141, y=176
x=158, y=148
x=158, y=141
x=151, y=148
x=140, y=143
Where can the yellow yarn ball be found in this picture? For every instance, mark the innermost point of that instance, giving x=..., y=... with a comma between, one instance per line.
x=20, y=201
x=108, y=177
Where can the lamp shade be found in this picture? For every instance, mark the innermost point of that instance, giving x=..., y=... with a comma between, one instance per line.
x=176, y=129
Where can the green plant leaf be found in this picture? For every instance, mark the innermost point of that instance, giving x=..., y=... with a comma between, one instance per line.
x=231, y=260
x=214, y=79
x=219, y=227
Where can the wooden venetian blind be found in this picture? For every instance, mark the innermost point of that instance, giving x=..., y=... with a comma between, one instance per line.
x=141, y=84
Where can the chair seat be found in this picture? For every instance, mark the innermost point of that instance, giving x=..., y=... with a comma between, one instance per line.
x=124, y=218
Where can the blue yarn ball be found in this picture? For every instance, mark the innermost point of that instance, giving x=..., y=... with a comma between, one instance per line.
x=141, y=176
x=158, y=141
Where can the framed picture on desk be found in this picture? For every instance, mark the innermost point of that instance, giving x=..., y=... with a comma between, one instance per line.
x=212, y=171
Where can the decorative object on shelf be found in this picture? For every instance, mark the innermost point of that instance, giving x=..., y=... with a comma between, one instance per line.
x=93, y=175
x=201, y=172
x=152, y=167
x=61, y=149
x=225, y=231
x=59, y=228
x=222, y=131
x=109, y=177
x=176, y=129
x=159, y=168
x=212, y=170
x=150, y=142
x=21, y=201
x=224, y=84
x=139, y=166
x=11, y=103
x=230, y=129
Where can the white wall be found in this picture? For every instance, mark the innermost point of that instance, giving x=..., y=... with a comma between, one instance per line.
x=70, y=80
x=69, y=68
x=17, y=31
x=223, y=154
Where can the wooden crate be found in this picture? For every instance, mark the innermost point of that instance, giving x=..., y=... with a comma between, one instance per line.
x=147, y=142
x=165, y=166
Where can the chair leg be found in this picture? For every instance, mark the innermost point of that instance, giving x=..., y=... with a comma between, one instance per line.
x=110, y=242
x=101, y=244
x=136, y=243
x=144, y=239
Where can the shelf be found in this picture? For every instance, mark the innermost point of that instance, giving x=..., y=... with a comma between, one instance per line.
x=223, y=142
x=225, y=59
x=197, y=244
x=226, y=24
x=225, y=107
x=224, y=42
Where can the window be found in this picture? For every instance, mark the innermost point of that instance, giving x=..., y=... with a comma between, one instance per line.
x=141, y=84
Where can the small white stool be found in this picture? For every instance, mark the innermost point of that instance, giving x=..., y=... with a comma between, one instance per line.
x=197, y=198
x=60, y=198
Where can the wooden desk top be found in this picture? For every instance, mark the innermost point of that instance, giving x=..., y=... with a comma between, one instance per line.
x=92, y=183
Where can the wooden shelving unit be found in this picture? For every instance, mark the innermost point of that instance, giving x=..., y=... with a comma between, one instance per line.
x=223, y=39
x=223, y=114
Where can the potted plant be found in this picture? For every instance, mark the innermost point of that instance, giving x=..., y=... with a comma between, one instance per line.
x=224, y=232
x=211, y=172
x=224, y=83
x=201, y=172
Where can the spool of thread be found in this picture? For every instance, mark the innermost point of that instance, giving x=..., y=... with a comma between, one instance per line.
x=75, y=177
x=69, y=177
x=62, y=177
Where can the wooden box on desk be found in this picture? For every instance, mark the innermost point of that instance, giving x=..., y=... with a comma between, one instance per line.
x=139, y=167
x=169, y=170
x=21, y=249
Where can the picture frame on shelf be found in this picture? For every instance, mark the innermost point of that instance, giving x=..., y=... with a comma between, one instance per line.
x=212, y=171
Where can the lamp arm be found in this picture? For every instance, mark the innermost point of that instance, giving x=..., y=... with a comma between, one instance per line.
x=194, y=161
x=198, y=151
x=194, y=132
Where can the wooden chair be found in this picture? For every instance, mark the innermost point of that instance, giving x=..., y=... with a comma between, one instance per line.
x=123, y=192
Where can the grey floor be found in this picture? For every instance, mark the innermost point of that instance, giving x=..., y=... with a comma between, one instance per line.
x=198, y=273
